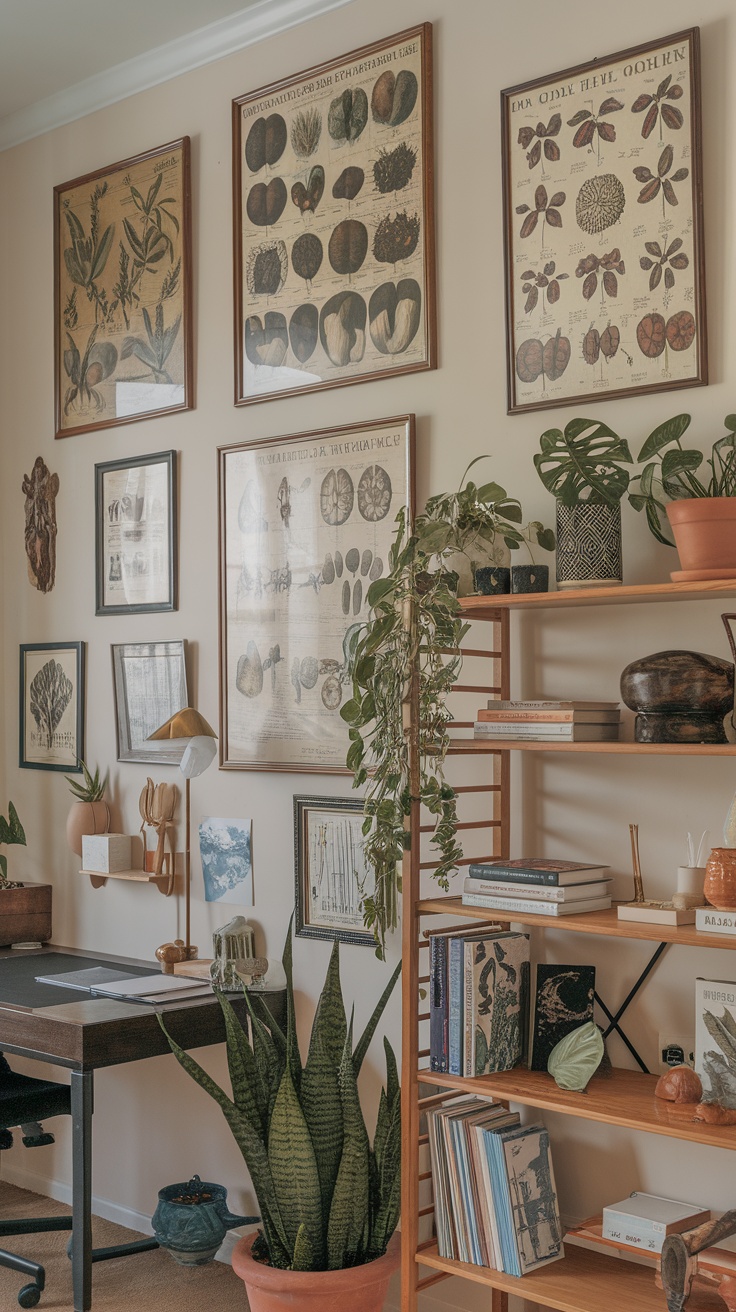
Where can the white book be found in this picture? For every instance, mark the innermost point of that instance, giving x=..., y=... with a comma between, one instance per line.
x=528, y=906
x=542, y=705
x=712, y=921
x=539, y=892
x=645, y=1220
x=538, y=729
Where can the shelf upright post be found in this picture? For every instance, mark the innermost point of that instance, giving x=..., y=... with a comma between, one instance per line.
x=410, y=888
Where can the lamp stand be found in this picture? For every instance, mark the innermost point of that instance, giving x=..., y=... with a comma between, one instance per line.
x=171, y=954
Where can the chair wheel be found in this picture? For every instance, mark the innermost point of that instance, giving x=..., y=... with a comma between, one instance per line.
x=29, y=1296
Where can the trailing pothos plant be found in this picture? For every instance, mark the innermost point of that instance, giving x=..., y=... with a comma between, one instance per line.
x=674, y=473
x=409, y=651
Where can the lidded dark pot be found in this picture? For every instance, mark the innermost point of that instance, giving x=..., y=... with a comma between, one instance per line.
x=679, y=696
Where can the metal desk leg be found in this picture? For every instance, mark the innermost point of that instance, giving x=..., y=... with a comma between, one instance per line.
x=81, y=1095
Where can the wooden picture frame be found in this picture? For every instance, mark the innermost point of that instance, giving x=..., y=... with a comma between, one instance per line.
x=331, y=874
x=136, y=564
x=150, y=685
x=51, y=698
x=306, y=523
x=333, y=180
x=123, y=343
x=603, y=226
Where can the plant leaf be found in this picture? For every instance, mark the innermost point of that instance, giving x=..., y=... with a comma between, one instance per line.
x=320, y=1093
x=529, y=224
x=670, y=431
x=364, y=1041
x=606, y=131
x=350, y=1198
x=669, y=192
x=649, y=192
x=551, y=151
x=672, y=116
x=641, y=103
x=103, y=250
x=535, y=154
x=584, y=134
x=650, y=120
x=589, y=286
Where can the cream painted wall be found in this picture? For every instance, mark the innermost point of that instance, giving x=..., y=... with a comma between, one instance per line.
x=152, y=1125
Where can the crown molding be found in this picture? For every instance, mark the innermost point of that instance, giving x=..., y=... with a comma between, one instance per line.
x=206, y=44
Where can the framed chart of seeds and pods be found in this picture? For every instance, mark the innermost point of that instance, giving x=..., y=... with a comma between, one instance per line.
x=602, y=184
x=334, y=223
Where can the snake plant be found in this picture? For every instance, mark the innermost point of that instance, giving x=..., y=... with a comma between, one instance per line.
x=11, y=831
x=328, y=1200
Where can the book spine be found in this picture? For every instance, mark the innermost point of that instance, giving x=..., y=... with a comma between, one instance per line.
x=513, y=876
x=455, y=1015
x=544, y=893
x=547, y=716
x=468, y=1012
x=437, y=1004
x=528, y=906
x=711, y=921
x=501, y=729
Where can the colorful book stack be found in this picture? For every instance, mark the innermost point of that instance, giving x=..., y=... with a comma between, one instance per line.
x=532, y=886
x=494, y=1192
x=553, y=721
x=478, y=1000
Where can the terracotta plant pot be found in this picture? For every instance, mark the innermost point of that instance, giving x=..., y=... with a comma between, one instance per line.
x=357, y=1289
x=704, y=529
x=86, y=818
x=720, y=878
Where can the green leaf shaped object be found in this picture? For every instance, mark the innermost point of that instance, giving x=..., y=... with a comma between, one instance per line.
x=577, y=1057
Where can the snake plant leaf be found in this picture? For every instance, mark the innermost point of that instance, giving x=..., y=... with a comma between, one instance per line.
x=303, y=1255
x=294, y=1170
x=11, y=830
x=242, y=1068
x=350, y=1199
x=577, y=1057
x=269, y=1053
x=364, y=1041
x=293, y=1059
x=3, y=866
x=389, y=1185
x=320, y=1093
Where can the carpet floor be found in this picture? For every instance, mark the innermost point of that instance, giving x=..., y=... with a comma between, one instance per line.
x=145, y=1282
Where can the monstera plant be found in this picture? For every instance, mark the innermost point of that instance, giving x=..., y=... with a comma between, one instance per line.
x=328, y=1200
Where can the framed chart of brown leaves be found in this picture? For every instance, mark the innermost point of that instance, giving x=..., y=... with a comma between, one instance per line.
x=334, y=226
x=605, y=280
x=122, y=292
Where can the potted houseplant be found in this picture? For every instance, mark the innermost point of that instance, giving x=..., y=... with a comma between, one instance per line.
x=329, y=1202
x=89, y=812
x=582, y=468
x=700, y=507
x=25, y=909
x=415, y=626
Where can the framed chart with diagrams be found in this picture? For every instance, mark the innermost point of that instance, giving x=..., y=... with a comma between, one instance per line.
x=603, y=196
x=334, y=222
x=306, y=525
x=332, y=876
x=135, y=532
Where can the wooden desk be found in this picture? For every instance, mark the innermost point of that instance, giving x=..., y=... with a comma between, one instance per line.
x=87, y=1034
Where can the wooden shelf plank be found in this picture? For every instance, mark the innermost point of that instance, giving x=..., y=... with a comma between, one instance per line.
x=624, y=1098
x=592, y=922
x=619, y=596
x=470, y=746
x=580, y=1282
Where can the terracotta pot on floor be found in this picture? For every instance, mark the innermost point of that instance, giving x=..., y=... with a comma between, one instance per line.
x=704, y=529
x=358, y=1289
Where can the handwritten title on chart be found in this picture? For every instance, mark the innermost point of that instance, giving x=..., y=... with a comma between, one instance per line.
x=605, y=78
x=353, y=447
x=335, y=78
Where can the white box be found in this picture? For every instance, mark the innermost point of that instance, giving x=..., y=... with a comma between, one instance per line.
x=645, y=1220
x=106, y=854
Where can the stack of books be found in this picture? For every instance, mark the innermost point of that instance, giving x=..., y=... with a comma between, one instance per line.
x=533, y=886
x=553, y=721
x=495, y=1201
x=478, y=999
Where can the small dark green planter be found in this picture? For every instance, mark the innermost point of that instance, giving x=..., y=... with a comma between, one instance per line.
x=492, y=580
x=530, y=578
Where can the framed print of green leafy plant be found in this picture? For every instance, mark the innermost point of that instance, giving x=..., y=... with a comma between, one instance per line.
x=122, y=284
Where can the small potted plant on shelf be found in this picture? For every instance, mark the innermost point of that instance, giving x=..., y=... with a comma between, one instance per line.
x=583, y=468
x=25, y=909
x=329, y=1202
x=700, y=507
x=89, y=813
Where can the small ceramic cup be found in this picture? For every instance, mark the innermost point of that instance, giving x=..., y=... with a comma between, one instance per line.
x=530, y=578
x=690, y=881
x=490, y=580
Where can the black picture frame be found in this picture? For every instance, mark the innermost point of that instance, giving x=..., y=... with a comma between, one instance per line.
x=136, y=534
x=307, y=923
x=64, y=723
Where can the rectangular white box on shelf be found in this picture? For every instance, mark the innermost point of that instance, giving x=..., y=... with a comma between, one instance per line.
x=645, y=1220
x=712, y=921
x=106, y=854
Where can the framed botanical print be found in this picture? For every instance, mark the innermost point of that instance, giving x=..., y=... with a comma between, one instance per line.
x=605, y=276
x=150, y=685
x=334, y=222
x=52, y=706
x=306, y=525
x=332, y=875
x=122, y=292
x=136, y=537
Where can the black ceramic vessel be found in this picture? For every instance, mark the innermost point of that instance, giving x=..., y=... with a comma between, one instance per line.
x=530, y=578
x=491, y=580
x=679, y=697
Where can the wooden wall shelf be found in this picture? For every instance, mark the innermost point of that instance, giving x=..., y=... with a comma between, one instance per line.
x=715, y=589
x=164, y=883
x=623, y=1098
x=474, y=746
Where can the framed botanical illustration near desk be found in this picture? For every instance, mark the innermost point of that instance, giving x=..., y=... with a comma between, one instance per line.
x=52, y=706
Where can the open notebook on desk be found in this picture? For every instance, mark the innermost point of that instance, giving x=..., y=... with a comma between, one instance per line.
x=102, y=981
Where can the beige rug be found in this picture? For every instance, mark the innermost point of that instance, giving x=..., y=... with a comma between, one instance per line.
x=145, y=1282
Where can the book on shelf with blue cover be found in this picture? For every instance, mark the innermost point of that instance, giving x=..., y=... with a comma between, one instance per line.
x=456, y=994
x=438, y=991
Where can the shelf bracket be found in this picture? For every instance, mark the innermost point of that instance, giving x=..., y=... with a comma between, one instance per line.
x=615, y=1019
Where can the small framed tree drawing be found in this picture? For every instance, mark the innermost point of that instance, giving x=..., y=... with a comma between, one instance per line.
x=122, y=292
x=52, y=706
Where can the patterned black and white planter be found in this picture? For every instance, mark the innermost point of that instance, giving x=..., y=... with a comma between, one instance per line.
x=588, y=545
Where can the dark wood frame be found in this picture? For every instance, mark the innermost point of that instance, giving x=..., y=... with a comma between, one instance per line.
x=183, y=144
x=168, y=458
x=302, y=928
x=422, y=32
x=79, y=649
x=222, y=453
x=130, y=753
x=692, y=36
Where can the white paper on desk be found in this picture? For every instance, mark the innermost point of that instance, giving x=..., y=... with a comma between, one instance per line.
x=92, y=977
x=149, y=986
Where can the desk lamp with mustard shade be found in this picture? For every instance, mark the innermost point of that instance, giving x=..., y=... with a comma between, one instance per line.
x=197, y=738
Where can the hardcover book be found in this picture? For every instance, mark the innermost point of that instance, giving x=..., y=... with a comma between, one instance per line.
x=496, y=1003
x=535, y=870
x=439, y=994
x=547, y=715
x=531, y=907
x=573, y=733
x=539, y=892
x=456, y=993
x=561, y=1001
x=542, y=705
x=715, y=1039
x=533, y=1197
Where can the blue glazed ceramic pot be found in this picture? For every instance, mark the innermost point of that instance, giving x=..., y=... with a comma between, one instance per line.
x=192, y=1219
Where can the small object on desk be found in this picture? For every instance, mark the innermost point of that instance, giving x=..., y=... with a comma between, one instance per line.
x=680, y=1084
x=199, y=969
x=251, y=970
x=171, y=954
x=106, y=854
x=25, y=947
x=233, y=944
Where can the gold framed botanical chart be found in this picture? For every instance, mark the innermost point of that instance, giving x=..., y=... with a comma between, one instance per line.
x=306, y=525
x=605, y=274
x=122, y=292
x=334, y=222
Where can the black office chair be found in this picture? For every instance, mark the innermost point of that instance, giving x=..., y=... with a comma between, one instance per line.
x=25, y=1102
